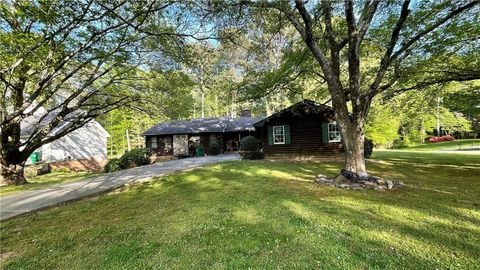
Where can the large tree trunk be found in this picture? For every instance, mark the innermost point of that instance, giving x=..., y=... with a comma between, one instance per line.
x=12, y=160
x=11, y=174
x=353, y=141
x=352, y=127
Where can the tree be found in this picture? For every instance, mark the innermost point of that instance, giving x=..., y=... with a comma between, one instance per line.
x=62, y=64
x=465, y=98
x=336, y=34
x=382, y=125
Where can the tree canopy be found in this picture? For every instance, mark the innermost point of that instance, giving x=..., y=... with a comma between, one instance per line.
x=131, y=64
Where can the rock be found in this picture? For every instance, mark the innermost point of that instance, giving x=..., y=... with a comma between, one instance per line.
x=374, y=179
x=389, y=184
x=340, y=178
x=369, y=184
x=378, y=187
x=379, y=181
x=46, y=168
x=322, y=179
x=321, y=176
x=398, y=183
x=350, y=175
x=350, y=180
x=363, y=176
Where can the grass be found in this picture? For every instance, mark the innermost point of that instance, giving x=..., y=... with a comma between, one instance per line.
x=42, y=181
x=441, y=146
x=265, y=215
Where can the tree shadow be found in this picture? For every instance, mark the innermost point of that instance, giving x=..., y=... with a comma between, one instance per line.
x=264, y=215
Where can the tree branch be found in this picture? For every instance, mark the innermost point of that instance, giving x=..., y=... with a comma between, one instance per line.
x=386, y=60
x=432, y=27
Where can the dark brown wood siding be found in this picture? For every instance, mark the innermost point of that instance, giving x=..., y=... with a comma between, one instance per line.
x=164, y=145
x=205, y=139
x=305, y=135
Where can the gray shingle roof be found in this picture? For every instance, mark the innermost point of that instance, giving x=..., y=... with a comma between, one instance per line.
x=302, y=105
x=204, y=125
x=31, y=123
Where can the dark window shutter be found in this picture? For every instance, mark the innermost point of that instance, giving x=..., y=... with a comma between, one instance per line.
x=270, y=135
x=325, y=132
x=286, y=129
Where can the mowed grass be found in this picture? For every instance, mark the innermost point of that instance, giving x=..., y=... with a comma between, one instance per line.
x=265, y=215
x=451, y=145
x=42, y=181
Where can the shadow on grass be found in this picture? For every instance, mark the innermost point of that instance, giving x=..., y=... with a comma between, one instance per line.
x=259, y=215
x=38, y=182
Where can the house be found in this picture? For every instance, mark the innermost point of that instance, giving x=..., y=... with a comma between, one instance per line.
x=177, y=138
x=303, y=130
x=82, y=149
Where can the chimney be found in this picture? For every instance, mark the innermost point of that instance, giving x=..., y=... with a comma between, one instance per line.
x=246, y=113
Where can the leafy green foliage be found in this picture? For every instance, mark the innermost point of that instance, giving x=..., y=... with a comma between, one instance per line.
x=134, y=158
x=382, y=125
x=250, y=143
x=250, y=148
x=112, y=165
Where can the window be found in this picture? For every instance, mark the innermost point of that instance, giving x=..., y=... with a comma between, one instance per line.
x=278, y=135
x=168, y=143
x=333, y=132
x=153, y=142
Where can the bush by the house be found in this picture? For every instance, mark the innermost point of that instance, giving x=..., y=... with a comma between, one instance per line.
x=134, y=158
x=445, y=138
x=214, y=148
x=249, y=143
x=252, y=155
x=367, y=148
x=250, y=148
x=112, y=165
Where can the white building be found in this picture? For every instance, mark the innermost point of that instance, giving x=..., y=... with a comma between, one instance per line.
x=82, y=149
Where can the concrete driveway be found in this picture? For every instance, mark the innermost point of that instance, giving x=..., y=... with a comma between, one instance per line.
x=32, y=200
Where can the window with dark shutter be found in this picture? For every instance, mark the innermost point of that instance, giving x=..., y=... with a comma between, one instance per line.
x=278, y=135
x=333, y=132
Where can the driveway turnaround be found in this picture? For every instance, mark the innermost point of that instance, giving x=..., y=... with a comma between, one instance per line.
x=32, y=200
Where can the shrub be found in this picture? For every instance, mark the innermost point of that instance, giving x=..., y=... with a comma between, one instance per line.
x=252, y=155
x=135, y=157
x=250, y=148
x=367, y=148
x=441, y=139
x=112, y=165
x=214, y=148
x=249, y=143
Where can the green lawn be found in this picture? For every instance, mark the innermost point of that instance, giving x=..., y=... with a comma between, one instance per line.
x=265, y=215
x=36, y=182
x=452, y=145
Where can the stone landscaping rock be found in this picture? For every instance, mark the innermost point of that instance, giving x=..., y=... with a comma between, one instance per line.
x=389, y=184
x=350, y=180
x=340, y=178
